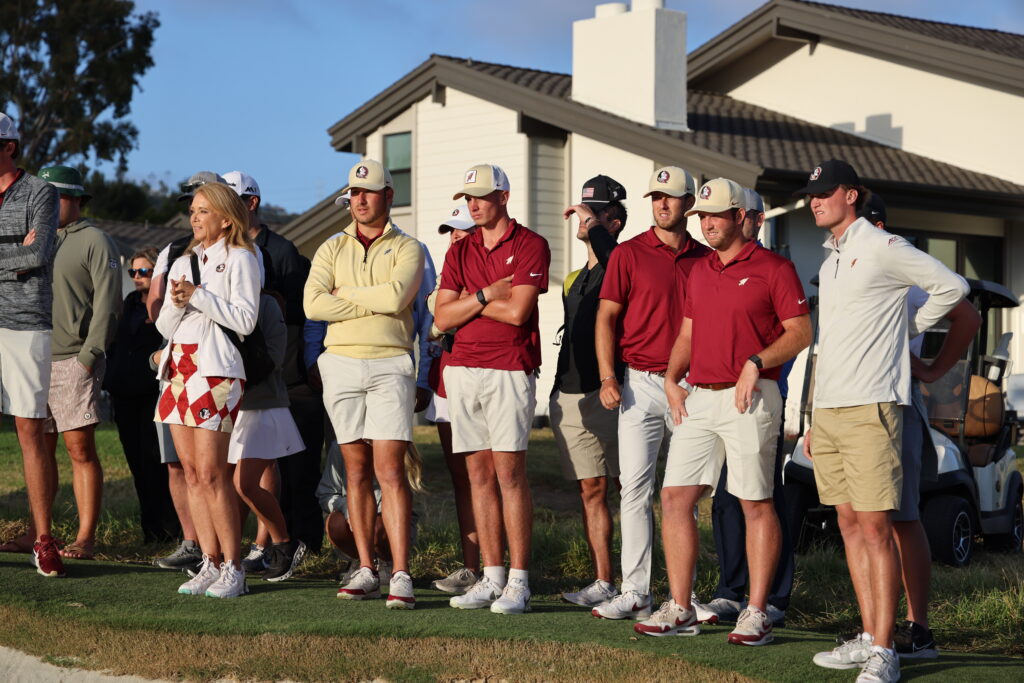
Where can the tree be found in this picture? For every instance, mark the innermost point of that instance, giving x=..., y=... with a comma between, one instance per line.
x=68, y=70
x=121, y=199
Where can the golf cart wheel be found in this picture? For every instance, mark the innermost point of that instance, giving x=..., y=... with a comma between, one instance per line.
x=950, y=528
x=1011, y=542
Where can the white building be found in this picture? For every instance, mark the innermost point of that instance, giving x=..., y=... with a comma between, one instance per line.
x=926, y=112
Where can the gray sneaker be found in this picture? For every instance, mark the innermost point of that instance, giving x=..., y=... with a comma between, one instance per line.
x=257, y=560
x=850, y=655
x=593, y=595
x=883, y=666
x=458, y=582
x=727, y=610
x=187, y=554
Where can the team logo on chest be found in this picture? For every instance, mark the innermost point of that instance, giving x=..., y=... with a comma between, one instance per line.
x=744, y=281
x=853, y=263
x=508, y=261
x=220, y=268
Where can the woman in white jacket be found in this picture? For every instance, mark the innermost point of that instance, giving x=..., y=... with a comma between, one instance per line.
x=205, y=375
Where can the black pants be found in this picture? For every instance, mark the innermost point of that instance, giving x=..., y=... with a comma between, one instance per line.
x=133, y=416
x=730, y=534
x=300, y=472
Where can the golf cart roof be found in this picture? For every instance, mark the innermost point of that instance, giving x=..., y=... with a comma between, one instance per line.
x=992, y=294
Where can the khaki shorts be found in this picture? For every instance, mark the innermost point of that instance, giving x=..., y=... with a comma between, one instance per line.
x=490, y=409
x=587, y=435
x=714, y=432
x=857, y=456
x=74, y=400
x=369, y=398
x=24, y=372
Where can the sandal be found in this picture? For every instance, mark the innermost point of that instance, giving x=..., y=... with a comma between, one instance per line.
x=74, y=551
x=18, y=544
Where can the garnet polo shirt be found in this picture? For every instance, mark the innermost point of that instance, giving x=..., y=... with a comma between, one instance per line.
x=737, y=309
x=470, y=266
x=649, y=279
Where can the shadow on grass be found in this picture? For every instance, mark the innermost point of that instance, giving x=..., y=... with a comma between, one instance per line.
x=958, y=665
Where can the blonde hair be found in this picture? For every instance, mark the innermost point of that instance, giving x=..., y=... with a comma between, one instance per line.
x=414, y=467
x=225, y=202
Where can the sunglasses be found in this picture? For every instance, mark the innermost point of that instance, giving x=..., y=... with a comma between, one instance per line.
x=141, y=272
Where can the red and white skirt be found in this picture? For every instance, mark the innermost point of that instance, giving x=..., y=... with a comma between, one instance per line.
x=192, y=400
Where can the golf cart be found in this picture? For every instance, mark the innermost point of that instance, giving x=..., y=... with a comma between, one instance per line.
x=978, y=490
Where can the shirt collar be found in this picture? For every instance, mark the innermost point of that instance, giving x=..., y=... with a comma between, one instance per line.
x=852, y=231
x=744, y=254
x=351, y=229
x=651, y=238
x=510, y=232
x=220, y=247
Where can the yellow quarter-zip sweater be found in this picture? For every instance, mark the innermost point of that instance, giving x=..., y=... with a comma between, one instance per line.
x=370, y=315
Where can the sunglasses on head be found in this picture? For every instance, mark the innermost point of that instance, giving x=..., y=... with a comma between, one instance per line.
x=141, y=272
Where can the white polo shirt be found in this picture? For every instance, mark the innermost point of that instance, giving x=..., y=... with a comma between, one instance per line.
x=864, y=327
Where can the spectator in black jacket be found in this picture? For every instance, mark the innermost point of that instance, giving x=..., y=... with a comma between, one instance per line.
x=134, y=390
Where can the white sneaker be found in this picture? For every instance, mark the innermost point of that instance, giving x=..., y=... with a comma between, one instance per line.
x=671, y=619
x=400, y=594
x=515, y=599
x=850, y=655
x=628, y=605
x=703, y=614
x=727, y=610
x=207, y=575
x=230, y=584
x=458, y=582
x=593, y=595
x=883, y=666
x=363, y=585
x=753, y=627
x=482, y=594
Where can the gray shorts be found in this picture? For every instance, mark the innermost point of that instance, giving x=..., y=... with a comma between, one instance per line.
x=168, y=455
x=910, y=456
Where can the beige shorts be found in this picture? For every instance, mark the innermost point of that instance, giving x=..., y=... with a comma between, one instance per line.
x=715, y=432
x=587, y=435
x=856, y=453
x=490, y=409
x=74, y=400
x=369, y=398
x=24, y=372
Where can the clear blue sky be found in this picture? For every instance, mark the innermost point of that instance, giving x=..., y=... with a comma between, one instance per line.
x=254, y=84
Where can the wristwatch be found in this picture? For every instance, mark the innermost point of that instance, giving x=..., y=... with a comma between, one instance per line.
x=480, y=297
x=756, y=360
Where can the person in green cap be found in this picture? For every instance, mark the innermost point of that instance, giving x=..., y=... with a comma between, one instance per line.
x=86, y=304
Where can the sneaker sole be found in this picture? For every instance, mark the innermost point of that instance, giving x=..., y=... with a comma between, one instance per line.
x=208, y=594
x=480, y=606
x=400, y=603
x=451, y=591
x=51, y=575
x=680, y=631
x=358, y=596
x=300, y=552
x=836, y=665
x=638, y=617
x=504, y=610
x=710, y=621
x=739, y=640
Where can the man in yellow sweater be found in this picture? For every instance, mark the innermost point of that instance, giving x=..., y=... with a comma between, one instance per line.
x=362, y=282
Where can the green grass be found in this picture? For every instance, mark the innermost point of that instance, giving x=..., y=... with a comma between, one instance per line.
x=975, y=611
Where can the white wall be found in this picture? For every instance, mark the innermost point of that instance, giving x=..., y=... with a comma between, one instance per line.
x=938, y=117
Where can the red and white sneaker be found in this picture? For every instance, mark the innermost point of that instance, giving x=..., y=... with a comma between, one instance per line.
x=400, y=592
x=363, y=585
x=704, y=615
x=671, y=619
x=46, y=557
x=753, y=627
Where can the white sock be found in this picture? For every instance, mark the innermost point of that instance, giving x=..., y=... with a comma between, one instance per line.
x=521, y=575
x=496, y=574
x=867, y=637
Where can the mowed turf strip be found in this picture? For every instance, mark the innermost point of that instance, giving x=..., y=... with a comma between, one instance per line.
x=139, y=604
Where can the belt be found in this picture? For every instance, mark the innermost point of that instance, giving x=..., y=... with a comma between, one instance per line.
x=656, y=373
x=716, y=386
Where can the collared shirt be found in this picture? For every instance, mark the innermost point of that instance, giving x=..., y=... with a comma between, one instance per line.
x=17, y=176
x=737, y=309
x=648, y=278
x=470, y=266
x=864, y=329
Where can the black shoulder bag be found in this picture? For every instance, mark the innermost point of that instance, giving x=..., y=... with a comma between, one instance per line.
x=253, y=349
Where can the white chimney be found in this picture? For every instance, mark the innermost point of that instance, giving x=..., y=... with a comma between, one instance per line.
x=633, y=63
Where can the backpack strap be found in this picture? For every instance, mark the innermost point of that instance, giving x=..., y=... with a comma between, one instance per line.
x=196, y=280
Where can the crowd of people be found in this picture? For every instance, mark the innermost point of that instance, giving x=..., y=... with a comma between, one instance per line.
x=224, y=361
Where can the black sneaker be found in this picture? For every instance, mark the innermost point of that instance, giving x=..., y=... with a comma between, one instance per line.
x=185, y=556
x=284, y=558
x=847, y=637
x=913, y=641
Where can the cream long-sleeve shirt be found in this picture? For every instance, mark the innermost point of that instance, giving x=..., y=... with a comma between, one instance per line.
x=370, y=316
x=864, y=329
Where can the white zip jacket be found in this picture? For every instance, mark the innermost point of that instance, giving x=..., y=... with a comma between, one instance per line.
x=864, y=329
x=229, y=294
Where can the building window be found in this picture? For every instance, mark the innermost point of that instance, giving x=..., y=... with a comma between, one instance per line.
x=398, y=160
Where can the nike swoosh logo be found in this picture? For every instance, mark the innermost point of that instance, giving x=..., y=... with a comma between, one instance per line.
x=535, y=274
x=801, y=301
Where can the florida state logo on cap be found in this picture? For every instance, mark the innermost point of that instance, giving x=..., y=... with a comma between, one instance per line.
x=455, y=212
x=362, y=172
x=816, y=173
x=471, y=176
x=705, y=192
x=663, y=177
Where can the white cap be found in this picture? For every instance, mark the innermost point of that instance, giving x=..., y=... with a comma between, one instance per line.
x=369, y=174
x=673, y=181
x=344, y=199
x=754, y=201
x=718, y=195
x=8, y=131
x=242, y=183
x=459, y=220
x=481, y=180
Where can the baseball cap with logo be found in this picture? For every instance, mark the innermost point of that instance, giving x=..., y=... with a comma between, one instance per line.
x=602, y=190
x=828, y=176
x=717, y=195
x=8, y=131
x=199, y=179
x=874, y=209
x=481, y=180
x=459, y=220
x=242, y=183
x=66, y=179
x=344, y=199
x=754, y=201
x=370, y=175
x=673, y=181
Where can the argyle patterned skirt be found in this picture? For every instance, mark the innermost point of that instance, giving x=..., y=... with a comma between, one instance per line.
x=192, y=400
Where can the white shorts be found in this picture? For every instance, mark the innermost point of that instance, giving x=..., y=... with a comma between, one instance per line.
x=264, y=435
x=490, y=409
x=750, y=440
x=437, y=411
x=24, y=372
x=369, y=398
